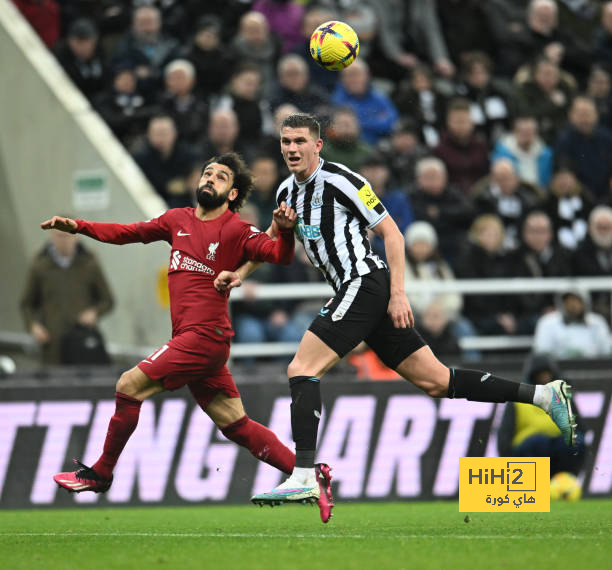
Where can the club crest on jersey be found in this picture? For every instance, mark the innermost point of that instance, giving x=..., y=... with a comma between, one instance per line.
x=212, y=250
x=317, y=200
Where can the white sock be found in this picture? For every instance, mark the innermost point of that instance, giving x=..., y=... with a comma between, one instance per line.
x=303, y=474
x=542, y=397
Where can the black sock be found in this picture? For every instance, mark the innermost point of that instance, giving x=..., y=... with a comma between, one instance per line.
x=480, y=386
x=305, y=415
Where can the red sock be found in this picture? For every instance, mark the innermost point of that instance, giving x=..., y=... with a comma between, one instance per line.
x=261, y=442
x=120, y=428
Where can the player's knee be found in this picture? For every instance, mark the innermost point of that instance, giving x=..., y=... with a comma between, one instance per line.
x=127, y=384
x=437, y=390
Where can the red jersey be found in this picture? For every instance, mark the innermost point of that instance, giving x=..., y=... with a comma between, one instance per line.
x=200, y=250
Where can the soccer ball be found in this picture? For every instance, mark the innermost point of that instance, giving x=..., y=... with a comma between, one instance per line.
x=565, y=486
x=334, y=45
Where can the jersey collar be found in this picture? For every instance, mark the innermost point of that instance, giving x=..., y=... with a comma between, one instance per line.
x=312, y=176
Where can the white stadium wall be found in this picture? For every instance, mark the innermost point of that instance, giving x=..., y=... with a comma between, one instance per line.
x=57, y=155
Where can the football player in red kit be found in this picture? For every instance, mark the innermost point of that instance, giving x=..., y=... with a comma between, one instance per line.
x=204, y=240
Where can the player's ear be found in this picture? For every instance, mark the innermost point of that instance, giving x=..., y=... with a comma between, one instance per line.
x=233, y=193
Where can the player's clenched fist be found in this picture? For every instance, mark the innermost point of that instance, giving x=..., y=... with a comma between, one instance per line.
x=60, y=223
x=284, y=216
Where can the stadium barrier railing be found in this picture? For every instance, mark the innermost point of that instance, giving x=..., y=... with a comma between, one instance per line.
x=322, y=291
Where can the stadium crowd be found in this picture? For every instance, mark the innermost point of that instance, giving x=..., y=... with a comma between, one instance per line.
x=484, y=127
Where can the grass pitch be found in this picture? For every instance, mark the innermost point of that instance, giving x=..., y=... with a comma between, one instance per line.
x=375, y=535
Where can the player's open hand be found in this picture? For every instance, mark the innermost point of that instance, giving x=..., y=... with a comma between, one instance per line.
x=284, y=216
x=61, y=224
x=226, y=281
x=400, y=311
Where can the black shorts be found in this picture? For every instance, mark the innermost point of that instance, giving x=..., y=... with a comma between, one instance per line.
x=358, y=312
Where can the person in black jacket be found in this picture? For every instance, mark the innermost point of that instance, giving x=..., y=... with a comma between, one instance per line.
x=538, y=256
x=81, y=56
x=527, y=432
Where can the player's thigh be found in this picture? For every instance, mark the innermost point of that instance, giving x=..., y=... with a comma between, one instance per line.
x=349, y=317
x=137, y=384
x=426, y=372
x=224, y=410
x=313, y=357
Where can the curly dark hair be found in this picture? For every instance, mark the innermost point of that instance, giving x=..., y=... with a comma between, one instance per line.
x=243, y=179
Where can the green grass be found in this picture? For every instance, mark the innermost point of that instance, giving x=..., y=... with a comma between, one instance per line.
x=375, y=535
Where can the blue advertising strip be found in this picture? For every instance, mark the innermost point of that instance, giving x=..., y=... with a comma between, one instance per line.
x=384, y=440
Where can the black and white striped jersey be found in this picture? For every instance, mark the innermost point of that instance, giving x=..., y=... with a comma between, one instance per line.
x=335, y=207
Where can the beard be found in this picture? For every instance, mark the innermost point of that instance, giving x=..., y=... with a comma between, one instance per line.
x=210, y=201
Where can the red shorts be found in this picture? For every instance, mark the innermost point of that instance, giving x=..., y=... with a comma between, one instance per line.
x=195, y=360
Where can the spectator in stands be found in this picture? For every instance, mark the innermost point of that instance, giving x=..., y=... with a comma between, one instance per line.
x=395, y=198
x=587, y=147
x=483, y=257
x=126, y=107
x=222, y=135
x=568, y=205
x=145, y=46
x=537, y=256
x=284, y=19
x=419, y=99
x=424, y=261
x=408, y=30
x=294, y=86
x=599, y=87
x=573, y=330
x=265, y=182
x=44, y=17
x=543, y=37
x=602, y=44
x=314, y=16
x=188, y=110
x=167, y=162
x=503, y=193
x=593, y=256
x=254, y=43
x=546, y=93
x=526, y=431
x=65, y=294
x=243, y=96
x=469, y=25
x=211, y=60
x=269, y=144
x=344, y=143
x=80, y=54
x=490, y=99
x=437, y=329
x=447, y=209
x=402, y=150
x=532, y=158
x=375, y=111
x=465, y=154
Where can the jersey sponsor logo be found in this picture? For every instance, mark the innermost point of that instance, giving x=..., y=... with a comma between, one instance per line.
x=212, y=251
x=181, y=233
x=175, y=260
x=367, y=196
x=183, y=262
x=306, y=231
x=485, y=377
x=317, y=201
x=323, y=312
x=255, y=231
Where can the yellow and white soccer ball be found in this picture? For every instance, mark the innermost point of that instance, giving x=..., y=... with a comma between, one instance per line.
x=334, y=45
x=564, y=486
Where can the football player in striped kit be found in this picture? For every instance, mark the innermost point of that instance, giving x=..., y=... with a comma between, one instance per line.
x=335, y=208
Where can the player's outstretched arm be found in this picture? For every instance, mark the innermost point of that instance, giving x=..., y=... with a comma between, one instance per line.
x=60, y=223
